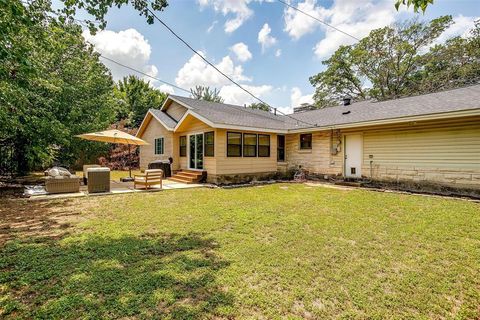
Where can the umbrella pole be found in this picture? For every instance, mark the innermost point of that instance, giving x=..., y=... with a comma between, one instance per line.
x=130, y=165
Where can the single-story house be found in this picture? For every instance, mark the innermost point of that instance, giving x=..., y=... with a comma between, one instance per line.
x=433, y=137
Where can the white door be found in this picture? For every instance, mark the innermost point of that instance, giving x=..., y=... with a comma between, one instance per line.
x=353, y=156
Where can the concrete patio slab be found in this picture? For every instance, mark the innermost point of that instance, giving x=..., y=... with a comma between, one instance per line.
x=118, y=187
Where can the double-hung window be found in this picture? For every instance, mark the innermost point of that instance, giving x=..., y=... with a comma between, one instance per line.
x=263, y=145
x=280, y=148
x=209, y=142
x=159, y=146
x=249, y=145
x=183, y=146
x=234, y=144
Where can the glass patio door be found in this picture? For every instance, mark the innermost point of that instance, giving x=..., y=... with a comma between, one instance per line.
x=196, y=151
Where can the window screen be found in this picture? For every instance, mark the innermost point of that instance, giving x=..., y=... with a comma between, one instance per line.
x=263, y=145
x=249, y=145
x=234, y=144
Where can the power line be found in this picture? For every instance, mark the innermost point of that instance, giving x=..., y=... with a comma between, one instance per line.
x=204, y=59
x=143, y=73
x=222, y=73
x=315, y=18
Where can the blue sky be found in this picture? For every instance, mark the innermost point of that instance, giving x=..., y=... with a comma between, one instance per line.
x=274, y=63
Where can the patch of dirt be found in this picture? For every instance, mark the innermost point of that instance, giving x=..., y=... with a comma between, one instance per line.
x=21, y=219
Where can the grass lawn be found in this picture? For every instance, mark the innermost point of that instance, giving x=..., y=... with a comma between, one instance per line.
x=278, y=251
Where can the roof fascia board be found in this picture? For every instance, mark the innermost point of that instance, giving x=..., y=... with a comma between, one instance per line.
x=169, y=98
x=141, y=129
x=224, y=126
x=195, y=115
x=436, y=116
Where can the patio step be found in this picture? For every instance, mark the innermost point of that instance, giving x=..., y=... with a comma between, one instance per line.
x=181, y=180
x=187, y=176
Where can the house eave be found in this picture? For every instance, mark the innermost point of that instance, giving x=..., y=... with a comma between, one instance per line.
x=224, y=126
x=434, y=116
x=143, y=126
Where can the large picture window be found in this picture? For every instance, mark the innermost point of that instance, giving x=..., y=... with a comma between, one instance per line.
x=234, y=144
x=249, y=145
x=306, y=141
x=263, y=145
x=183, y=146
x=209, y=144
x=280, y=148
x=159, y=144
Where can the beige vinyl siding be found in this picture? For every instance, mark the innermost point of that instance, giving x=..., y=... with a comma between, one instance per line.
x=442, y=151
x=243, y=165
x=176, y=111
x=445, y=151
x=153, y=131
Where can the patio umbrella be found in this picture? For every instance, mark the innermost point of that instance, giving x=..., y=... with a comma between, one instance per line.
x=115, y=136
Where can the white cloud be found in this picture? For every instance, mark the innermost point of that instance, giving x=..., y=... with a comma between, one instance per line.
x=166, y=88
x=264, y=37
x=241, y=51
x=354, y=17
x=197, y=72
x=298, y=24
x=238, y=8
x=214, y=23
x=234, y=95
x=461, y=27
x=296, y=97
x=278, y=53
x=128, y=47
x=357, y=18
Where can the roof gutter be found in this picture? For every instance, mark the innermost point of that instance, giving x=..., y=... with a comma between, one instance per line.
x=435, y=116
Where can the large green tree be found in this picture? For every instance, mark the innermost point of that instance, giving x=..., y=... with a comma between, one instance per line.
x=134, y=97
x=396, y=61
x=61, y=89
x=207, y=94
x=259, y=106
x=416, y=4
x=52, y=85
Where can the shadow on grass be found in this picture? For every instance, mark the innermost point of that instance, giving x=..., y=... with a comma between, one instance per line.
x=32, y=219
x=151, y=276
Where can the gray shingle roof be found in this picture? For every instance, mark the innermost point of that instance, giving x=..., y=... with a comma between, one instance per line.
x=229, y=114
x=466, y=98
x=165, y=118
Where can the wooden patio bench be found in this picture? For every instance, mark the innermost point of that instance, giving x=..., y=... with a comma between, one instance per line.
x=151, y=177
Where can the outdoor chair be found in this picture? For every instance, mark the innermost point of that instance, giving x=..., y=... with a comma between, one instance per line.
x=62, y=184
x=98, y=179
x=85, y=171
x=150, y=178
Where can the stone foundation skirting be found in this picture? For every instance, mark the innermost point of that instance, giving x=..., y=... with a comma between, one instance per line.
x=223, y=179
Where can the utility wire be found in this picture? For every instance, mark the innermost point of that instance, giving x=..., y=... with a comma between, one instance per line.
x=204, y=59
x=143, y=73
x=222, y=73
x=315, y=18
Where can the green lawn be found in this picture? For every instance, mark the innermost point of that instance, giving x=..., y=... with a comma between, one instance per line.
x=278, y=251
